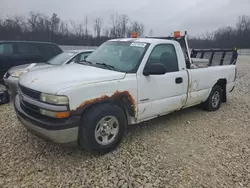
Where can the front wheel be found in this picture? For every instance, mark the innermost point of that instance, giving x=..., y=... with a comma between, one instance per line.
x=102, y=128
x=214, y=100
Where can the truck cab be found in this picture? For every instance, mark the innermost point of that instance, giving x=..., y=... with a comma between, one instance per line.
x=123, y=82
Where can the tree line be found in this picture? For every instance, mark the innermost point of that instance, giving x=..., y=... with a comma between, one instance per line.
x=39, y=27
x=226, y=37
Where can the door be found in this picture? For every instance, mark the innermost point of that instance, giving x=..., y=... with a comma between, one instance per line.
x=162, y=94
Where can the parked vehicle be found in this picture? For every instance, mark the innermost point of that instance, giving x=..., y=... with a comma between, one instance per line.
x=4, y=95
x=123, y=82
x=14, y=53
x=72, y=56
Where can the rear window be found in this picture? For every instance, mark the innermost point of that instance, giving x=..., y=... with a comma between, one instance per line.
x=6, y=49
x=48, y=51
x=52, y=49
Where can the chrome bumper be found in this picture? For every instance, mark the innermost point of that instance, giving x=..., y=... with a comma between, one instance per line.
x=65, y=136
x=64, y=132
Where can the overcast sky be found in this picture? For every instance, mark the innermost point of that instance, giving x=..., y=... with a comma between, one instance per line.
x=163, y=16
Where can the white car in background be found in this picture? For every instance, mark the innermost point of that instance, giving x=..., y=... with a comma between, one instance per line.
x=11, y=77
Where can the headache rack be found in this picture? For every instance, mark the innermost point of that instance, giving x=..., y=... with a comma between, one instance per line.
x=214, y=56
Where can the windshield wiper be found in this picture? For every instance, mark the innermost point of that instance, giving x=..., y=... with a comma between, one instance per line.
x=110, y=67
x=85, y=61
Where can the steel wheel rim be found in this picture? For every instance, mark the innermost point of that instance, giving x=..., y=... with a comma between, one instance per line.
x=215, y=99
x=106, y=130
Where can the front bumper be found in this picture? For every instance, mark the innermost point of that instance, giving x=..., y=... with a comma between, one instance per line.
x=65, y=133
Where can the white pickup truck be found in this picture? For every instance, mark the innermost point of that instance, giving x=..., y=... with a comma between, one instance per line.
x=123, y=82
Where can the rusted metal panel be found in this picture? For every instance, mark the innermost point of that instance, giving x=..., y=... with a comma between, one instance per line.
x=118, y=95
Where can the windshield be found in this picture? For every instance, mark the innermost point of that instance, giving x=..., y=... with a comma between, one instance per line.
x=123, y=56
x=61, y=58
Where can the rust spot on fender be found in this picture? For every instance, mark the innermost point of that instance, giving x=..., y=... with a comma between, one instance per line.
x=116, y=96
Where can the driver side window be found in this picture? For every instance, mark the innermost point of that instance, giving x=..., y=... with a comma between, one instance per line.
x=166, y=55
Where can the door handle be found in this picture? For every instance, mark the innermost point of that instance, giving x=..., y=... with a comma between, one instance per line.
x=178, y=80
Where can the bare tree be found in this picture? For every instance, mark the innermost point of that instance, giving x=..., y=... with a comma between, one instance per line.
x=243, y=23
x=114, y=28
x=86, y=26
x=106, y=32
x=74, y=26
x=55, y=20
x=33, y=20
x=123, y=24
x=63, y=28
x=98, y=27
x=138, y=27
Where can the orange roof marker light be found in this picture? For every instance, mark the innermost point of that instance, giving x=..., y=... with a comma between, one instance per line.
x=134, y=34
x=177, y=34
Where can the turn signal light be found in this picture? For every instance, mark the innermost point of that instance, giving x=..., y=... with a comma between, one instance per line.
x=62, y=114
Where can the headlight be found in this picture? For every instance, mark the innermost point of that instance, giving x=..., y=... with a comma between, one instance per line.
x=54, y=114
x=54, y=99
x=18, y=73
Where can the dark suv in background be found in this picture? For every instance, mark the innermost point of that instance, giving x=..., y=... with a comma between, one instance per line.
x=13, y=53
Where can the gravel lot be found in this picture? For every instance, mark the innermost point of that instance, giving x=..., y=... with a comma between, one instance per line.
x=191, y=148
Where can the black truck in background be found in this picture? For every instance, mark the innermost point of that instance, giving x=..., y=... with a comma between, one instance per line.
x=14, y=53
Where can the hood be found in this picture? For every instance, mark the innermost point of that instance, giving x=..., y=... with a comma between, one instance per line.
x=30, y=67
x=51, y=80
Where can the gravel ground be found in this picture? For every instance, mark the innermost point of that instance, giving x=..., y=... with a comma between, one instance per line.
x=191, y=148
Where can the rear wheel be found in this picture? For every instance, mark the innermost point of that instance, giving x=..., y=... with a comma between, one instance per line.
x=214, y=100
x=102, y=128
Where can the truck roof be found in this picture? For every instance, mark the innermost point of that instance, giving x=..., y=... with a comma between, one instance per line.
x=146, y=40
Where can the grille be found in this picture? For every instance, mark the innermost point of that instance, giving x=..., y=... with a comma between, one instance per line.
x=30, y=111
x=30, y=106
x=29, y=92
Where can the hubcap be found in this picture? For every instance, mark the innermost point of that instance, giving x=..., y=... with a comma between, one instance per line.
x=215, y=99
x=106, y=130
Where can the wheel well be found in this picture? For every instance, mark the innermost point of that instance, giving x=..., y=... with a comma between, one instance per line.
x=122, y=103
x=223, y=83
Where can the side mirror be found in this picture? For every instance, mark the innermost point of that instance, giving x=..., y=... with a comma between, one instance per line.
x=155, y=69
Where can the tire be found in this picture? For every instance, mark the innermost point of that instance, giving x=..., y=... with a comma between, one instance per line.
x=93, y=132
x=213, y=102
